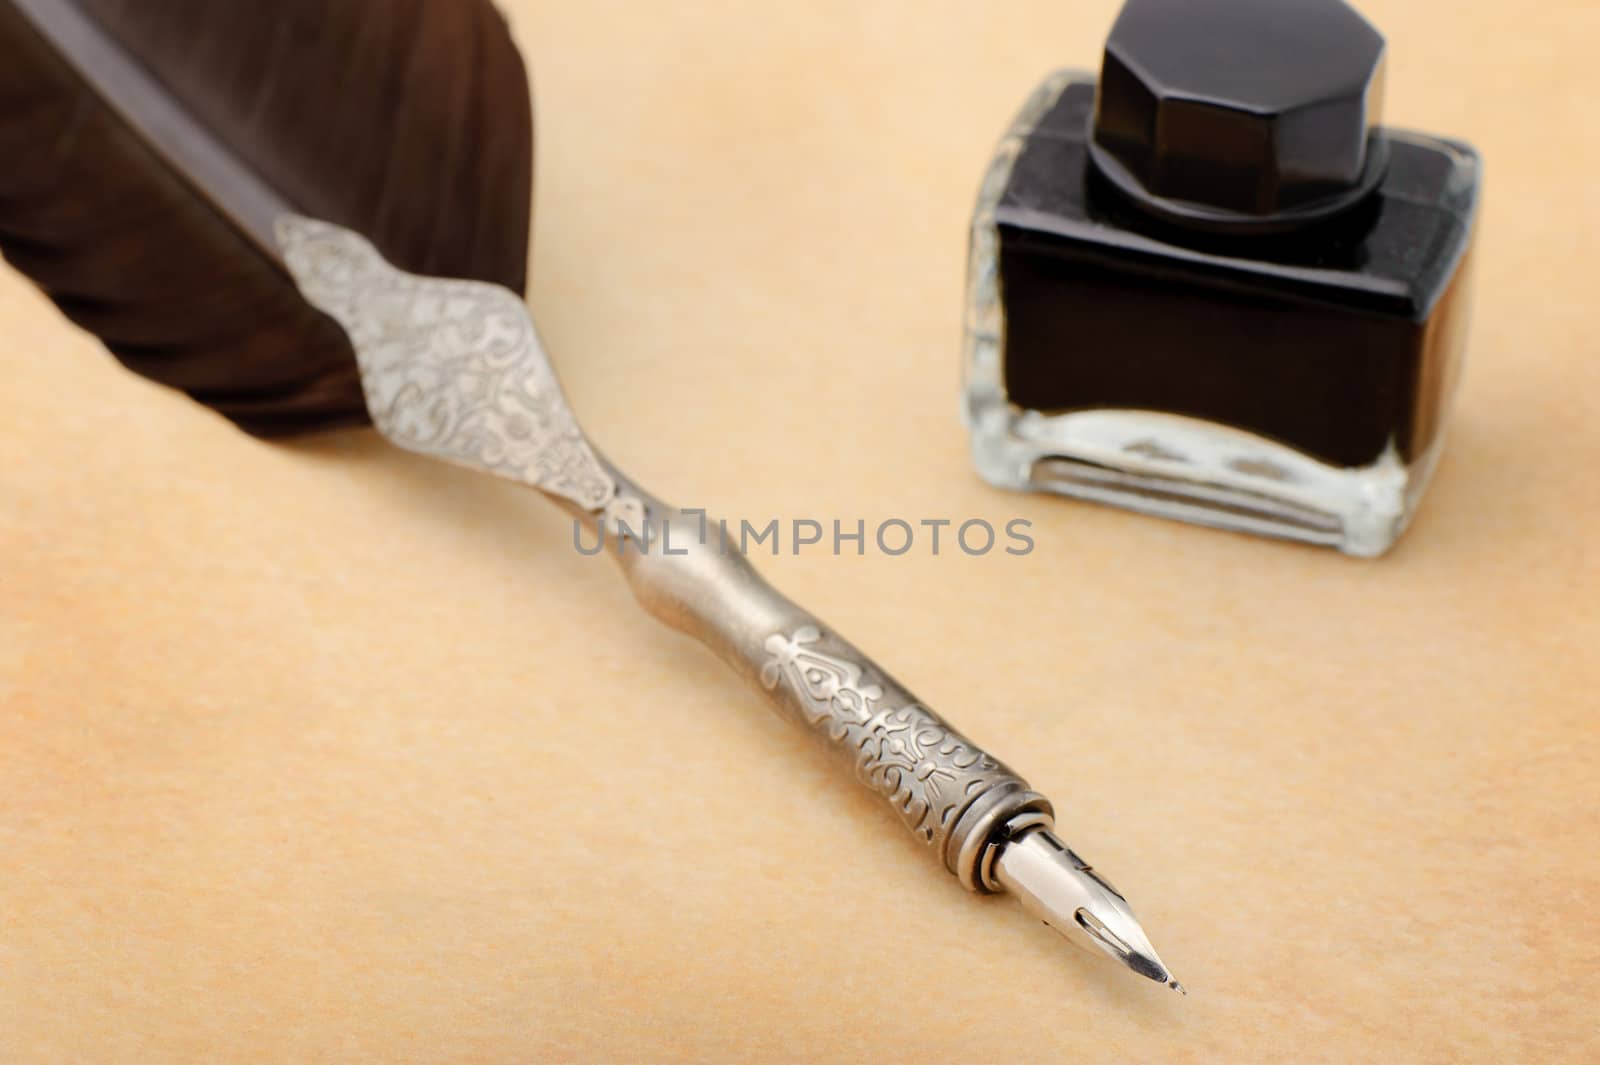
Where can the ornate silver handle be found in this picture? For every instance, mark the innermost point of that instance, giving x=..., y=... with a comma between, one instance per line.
x=454, y=369
x=951, y=794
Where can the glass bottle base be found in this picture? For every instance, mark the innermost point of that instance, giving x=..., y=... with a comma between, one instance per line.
x=1171, y=466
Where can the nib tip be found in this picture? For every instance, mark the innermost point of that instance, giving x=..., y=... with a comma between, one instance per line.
x=1179, y=988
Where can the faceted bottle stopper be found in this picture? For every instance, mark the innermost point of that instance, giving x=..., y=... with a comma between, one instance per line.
x=1241, y=114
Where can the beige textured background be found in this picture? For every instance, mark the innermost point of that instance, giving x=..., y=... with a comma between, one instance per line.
x=321, y=753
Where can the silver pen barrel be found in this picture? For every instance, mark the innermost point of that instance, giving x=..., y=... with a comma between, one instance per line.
x=949, y=793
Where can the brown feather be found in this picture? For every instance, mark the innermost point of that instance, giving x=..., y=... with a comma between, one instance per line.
x=406, y=120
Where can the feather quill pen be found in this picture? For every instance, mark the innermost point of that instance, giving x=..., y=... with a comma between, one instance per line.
x=307, y=214
x=408, y=121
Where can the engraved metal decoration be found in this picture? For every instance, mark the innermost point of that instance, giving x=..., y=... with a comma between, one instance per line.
x=927, y=770
x=451, y=369
x=454, y=369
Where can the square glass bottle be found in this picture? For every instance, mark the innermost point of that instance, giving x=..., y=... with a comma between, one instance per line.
x=1233, y=300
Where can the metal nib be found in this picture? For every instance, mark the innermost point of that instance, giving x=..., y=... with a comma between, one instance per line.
x=1060, y=889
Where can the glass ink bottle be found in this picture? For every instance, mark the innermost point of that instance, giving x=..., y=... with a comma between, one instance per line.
x=1209, y=285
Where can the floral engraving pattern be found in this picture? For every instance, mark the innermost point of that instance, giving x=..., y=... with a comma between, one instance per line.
x=927, y=770
x=451, y=368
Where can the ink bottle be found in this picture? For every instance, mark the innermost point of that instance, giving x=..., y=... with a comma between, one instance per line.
x=1210, y=285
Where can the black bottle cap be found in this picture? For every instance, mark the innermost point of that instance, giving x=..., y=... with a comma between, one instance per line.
x=1241, y=115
